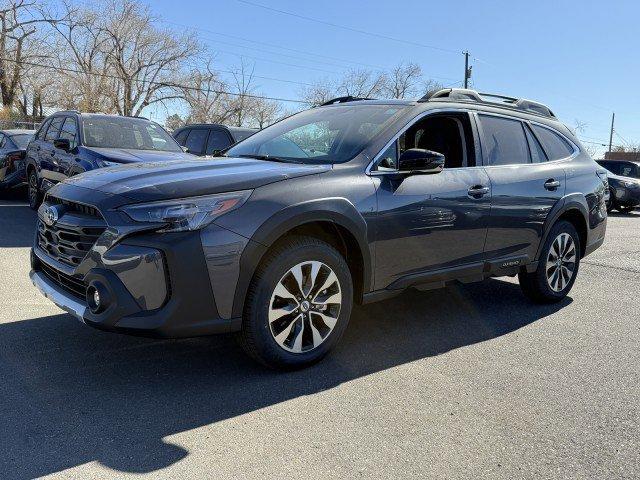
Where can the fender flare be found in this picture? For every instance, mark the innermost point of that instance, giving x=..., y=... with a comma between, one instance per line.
x=573, y=201
x=338, y=211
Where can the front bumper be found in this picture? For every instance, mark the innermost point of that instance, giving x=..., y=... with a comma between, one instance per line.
x=157, y=285
x=627, y=197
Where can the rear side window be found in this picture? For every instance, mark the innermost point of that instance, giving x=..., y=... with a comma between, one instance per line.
x=504, y=141
x=196, y=140
x=555, y=146
x=182, y=136
x=70, y=131
x=43, y=130
x=537, y=153
x=218, y=140
x=54, y=129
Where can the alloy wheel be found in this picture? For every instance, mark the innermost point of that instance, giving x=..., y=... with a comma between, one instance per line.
x=561, y=262
x=304, y=306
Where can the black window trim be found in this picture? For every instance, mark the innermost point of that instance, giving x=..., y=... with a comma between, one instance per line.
x=53, y=119
x=576, y=149
x=206, y=139
x=71, y=117
x=474, y=129
x=43, y=129
x=218, y=129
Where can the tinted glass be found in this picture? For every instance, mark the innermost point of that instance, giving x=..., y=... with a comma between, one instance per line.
x=21, y=140
x=333, y=134
x=127, y=132
x=54, y=129
x=389, y=159
x=40, y=134
x=628, y=170
x=504, y=141
x=70, y=131
x=196, y=140
x=182, y=136
x=218, y=140
x=537, y=153
x=555, y=146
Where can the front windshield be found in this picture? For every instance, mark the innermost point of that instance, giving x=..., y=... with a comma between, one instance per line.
x=22, y=139
x=127, y=132
x=334, y=134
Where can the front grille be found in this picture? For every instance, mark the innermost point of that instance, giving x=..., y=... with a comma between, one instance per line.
x=74, y=207
x=71, y=237
x=71, y=284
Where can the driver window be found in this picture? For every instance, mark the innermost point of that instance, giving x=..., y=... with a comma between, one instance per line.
x=448, y=134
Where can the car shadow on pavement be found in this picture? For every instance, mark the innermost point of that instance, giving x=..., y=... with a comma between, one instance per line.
x=73, y=395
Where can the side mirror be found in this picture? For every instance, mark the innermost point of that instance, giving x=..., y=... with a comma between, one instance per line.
x=62, y=144
x=417, y=160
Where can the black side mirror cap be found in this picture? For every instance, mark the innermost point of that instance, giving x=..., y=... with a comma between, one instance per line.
x=418, y=160
x=62, y=144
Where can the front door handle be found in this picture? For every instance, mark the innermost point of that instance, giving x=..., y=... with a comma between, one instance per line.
x=478, y=191
x=551, y=184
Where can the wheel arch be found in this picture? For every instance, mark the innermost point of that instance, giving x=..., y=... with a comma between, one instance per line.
x=335, y=221
x=573, y=209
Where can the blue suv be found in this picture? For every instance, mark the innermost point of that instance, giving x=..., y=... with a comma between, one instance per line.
x=71, y=142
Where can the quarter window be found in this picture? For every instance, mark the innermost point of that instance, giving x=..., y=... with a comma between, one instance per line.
x=555, y=146
x=43, y=129
x=504, y=141
x=182, y=136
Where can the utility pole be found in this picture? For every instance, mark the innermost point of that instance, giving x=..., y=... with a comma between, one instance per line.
x=467, y=69
x=613, y=117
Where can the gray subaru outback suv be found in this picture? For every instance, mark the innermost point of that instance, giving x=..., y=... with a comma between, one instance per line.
x=353, y=201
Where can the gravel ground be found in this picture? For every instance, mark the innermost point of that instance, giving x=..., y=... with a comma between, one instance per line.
x=467, y=382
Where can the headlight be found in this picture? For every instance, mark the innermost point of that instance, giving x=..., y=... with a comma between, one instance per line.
x=187, y=213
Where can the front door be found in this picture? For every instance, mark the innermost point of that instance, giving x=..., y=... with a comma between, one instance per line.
x=525, y=185
x=432, y=222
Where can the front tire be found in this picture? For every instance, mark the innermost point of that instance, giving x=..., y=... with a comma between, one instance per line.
x=557, y=267
x=298, y=304
x=35, y=197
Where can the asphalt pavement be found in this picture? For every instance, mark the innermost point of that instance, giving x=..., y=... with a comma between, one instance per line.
x=471, y=381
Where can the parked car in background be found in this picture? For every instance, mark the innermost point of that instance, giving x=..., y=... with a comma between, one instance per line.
x=277, y=243
x=624, y=184
x=70, y=142
x=209, y=139
x=13, y=146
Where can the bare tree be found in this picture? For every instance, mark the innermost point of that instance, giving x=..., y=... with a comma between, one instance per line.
x=265, y=112
x=402, y=81
x=145, y=59
x=19, y=20
x=243, y=98
x=173, y=122
x=207, y=97
x=362, y=83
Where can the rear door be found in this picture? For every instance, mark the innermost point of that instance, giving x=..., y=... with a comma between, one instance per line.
x=49, y=168
x=197, y=140
x=526, y=183
x=66, y=161
x=218, y=140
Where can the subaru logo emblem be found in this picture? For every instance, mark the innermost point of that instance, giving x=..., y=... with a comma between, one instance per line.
x=51, y=215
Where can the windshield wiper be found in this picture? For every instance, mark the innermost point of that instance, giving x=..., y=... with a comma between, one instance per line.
x=268, y=158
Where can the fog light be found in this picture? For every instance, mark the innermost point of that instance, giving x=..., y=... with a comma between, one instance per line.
x=98, y=297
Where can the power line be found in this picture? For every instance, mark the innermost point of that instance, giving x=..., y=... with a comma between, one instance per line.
x=351, y=29
x=151, y=82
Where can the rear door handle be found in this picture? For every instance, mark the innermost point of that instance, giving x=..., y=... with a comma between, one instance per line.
x=477, y=191
x=551, y=184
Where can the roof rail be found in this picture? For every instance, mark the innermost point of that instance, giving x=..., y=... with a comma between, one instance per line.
x=467, y=95
x=346, y=99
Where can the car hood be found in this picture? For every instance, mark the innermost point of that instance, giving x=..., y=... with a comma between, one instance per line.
x=144, y=182
x=130, y=155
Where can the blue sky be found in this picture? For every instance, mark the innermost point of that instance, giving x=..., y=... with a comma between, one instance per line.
x=578, y=57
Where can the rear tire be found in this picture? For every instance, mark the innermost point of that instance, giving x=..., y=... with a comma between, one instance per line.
x=557, y=266
x=35, y=197
x=298, y=304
